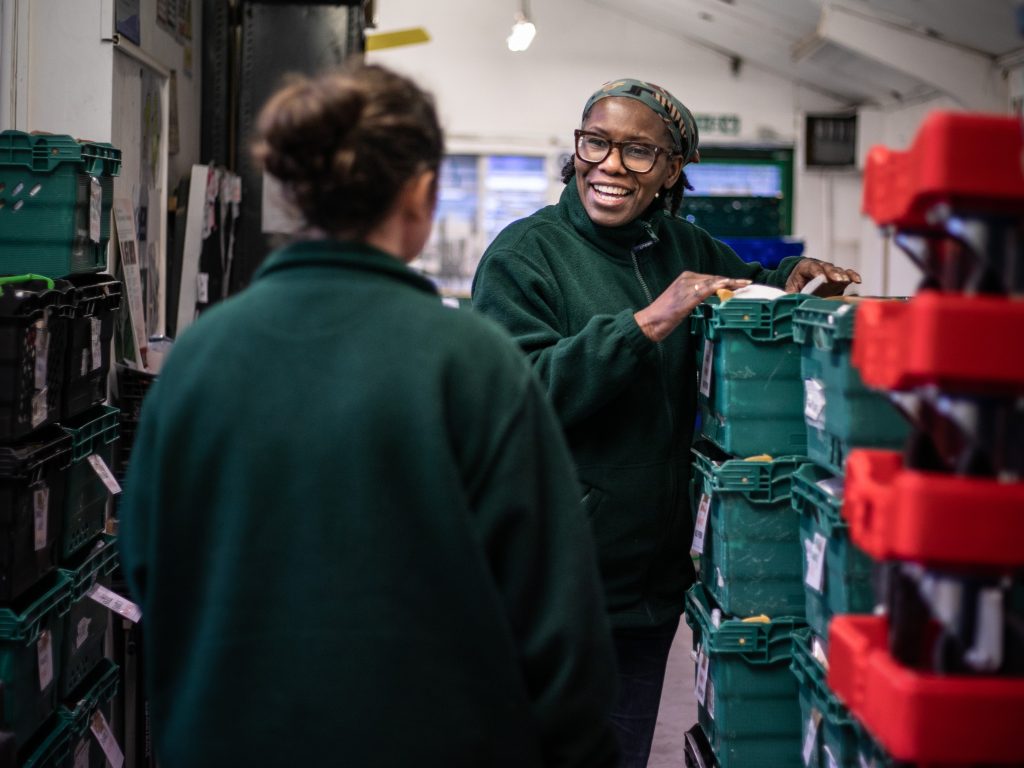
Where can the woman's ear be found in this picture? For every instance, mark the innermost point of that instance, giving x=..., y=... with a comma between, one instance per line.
x=421, y=194
x=674, y=169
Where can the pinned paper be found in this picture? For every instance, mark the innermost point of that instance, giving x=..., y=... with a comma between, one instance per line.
x=811, y=735
x=95, y=208
x=700, y=526
x=814, y=403
x=44, y=655
x=705, y=368
x=701, y=685
x=814, y=549
x=100, y=729
x=102, y=471
x=41, y=516
x=116, y=603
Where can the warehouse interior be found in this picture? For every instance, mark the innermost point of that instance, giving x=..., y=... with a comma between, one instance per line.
x=845, y=611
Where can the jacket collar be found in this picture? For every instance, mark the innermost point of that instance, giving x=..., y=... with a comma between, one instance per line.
x=347, y=254
x=616, y=242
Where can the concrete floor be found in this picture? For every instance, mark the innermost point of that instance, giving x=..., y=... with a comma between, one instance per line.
x=678, y=711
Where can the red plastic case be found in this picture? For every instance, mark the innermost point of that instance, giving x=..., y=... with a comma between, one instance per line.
x=970, y=344
x=970, y=161
x=918, y=717
x=931, y=518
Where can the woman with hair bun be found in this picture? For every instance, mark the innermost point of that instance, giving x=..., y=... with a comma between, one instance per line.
x=350, y=516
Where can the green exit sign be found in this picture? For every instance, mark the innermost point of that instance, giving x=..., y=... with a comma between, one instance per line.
x=724, y=124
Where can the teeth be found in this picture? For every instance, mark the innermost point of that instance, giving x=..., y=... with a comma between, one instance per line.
x=615, y=191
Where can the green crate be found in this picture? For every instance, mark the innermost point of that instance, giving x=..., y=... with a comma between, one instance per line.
x=847, y=583
x=840, y=412
x=753, y=403
x=752, y=552
x=50, y=748
x=25, y=704
x=94, y=693
x=750, y=713
x=51, y=187
x=33, y=338
x=85, y=504
x=828, y=727
x=87, y=619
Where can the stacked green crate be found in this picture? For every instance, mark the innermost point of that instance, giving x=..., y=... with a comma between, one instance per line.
x=750, y=387
x=840, y=411
x=31, y=633
x=85, y=505
x=837, y=575
x=55, y=200
x=746, y=695
x=747, y=534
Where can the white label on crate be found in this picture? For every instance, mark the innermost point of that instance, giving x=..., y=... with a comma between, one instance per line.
x=710, y=698
x=82, y=631
x=202, y=288
x=719, y=579
x=700, y=687
x=85, y=362
x=39, y=408
x=44, y=652
x=863, y=762
x=830, y=760
x=102, y=471
x=41, y=515
x=814, y=549
x=811, y=735
x=107, y=742
x=42, y=353
x=95, y=208
x=818, y=652
x=97, y=344
x=115, y=602
x=705, y=368
x=82, y=754
x=814, y=403
x=699, y=527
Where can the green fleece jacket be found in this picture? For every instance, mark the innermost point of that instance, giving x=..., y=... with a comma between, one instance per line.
x=567, y=290
x=353, y=526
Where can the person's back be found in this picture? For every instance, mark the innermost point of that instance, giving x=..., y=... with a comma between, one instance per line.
x=352, y=524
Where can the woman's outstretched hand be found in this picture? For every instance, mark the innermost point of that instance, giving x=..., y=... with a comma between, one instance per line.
x=836, y=278
x=676, y=303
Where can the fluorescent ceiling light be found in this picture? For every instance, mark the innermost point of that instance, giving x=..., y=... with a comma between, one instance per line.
x=523, y=32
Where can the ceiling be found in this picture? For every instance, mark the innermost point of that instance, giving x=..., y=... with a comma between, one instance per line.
x=788, y=37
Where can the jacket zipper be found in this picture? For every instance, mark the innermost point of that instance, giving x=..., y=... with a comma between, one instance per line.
x=673, y=486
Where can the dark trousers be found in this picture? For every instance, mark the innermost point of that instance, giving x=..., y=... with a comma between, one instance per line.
x=642, y=655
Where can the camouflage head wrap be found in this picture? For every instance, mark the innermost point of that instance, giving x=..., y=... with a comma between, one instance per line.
x=677, y=117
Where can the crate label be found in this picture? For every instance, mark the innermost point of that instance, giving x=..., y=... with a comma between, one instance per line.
x=863, y=762
x=103, y=472
x=41, y=515
x=100, y=729
x=815, y=551
x=82, y=631
x=701, y=685
x=203, y=288
x=811, y=735
x=40, y=410
x=85, y=363
x=699, y=527
x=830, y=760
x=711, y=698
x=44, y=653
x=705, y=368
x=119, y=605
x=42, y=353
x=82, y=754
x=97, y=345
x=720, y=581
x=814, y=403
x=95, y=208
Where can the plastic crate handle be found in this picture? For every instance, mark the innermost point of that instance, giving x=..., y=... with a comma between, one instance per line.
x=9, y=279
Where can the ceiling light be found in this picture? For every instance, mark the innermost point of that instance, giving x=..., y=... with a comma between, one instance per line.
x=523, y=31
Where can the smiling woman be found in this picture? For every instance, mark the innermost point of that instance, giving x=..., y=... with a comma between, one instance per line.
x=594, y=290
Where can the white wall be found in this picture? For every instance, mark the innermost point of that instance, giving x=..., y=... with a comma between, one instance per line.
x=492, y=98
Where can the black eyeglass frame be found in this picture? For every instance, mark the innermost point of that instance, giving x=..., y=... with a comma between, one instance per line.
x=579, y=133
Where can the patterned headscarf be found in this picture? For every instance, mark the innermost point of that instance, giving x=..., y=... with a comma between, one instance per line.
x=677, y=117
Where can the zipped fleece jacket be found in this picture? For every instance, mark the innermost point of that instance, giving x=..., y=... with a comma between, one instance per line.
x=353, y=526
x=567, y=290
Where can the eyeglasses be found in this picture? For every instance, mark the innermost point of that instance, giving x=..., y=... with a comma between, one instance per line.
x=636, y=157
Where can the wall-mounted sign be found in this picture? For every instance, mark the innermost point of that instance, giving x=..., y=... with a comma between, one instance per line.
x=723, y=125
